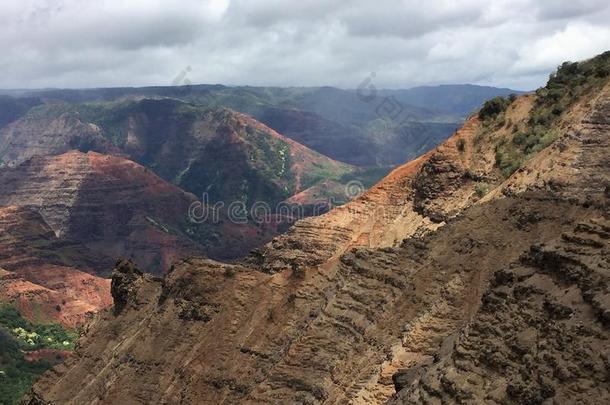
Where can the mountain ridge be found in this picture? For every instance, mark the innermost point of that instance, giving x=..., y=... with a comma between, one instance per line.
x=180, y=142
x=339, y=310
x=342, y=124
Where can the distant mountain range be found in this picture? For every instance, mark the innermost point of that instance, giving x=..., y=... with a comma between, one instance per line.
x=360, y=127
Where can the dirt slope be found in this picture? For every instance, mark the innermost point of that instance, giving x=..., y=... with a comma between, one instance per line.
x=46, y=278
x=341, y=310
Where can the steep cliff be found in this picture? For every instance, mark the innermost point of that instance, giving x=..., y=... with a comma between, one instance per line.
x=476, y=273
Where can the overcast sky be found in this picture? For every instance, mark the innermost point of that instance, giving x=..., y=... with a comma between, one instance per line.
x=101, y=43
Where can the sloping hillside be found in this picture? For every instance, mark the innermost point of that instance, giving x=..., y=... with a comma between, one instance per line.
x=48, y=279
x=498, y=292
x=117, y=208
x=226, y=154
x=13, y=108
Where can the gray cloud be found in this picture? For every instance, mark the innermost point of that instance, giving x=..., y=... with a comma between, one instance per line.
x=82, y=43
x=563, y=9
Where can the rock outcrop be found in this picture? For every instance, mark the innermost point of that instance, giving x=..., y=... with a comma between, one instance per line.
x=541, y=332
x=124, y=284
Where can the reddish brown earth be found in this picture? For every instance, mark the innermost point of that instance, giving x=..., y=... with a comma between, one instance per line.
x=60, y=294
x=110, y=204
x=52, y=356
x=419, y=291
x=116, y=208
x=46, y=278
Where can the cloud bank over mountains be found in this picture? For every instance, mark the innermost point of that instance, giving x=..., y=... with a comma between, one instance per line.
x=76, y=43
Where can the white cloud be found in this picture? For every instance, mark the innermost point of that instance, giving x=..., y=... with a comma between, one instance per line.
x=575, y=42
x=78, y=43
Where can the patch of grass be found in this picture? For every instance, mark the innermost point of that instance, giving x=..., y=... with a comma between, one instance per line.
x=18, y=336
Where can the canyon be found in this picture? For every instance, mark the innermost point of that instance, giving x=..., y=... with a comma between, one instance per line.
x=93, y=175
x=476, y=273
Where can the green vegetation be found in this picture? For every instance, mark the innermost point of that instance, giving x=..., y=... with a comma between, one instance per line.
x=18, y=336
x=494, y=107
x=481, y=189
x=34, y=337
x=571, y=81
x=508, y=161
x=16, y=374
x=565, y=87
x=271, y=156
x=325, y=170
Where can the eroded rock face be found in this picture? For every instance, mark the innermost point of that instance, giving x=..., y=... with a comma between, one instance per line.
x=110, y=204
x=336, y=334
x=540, y=334
x=505, y=302
x=117, y=208
x=439, y=176
x=124, y=286
x=65, y=219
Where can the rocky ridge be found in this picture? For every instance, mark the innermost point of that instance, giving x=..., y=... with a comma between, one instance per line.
x=111, y=205
x=343, y=310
